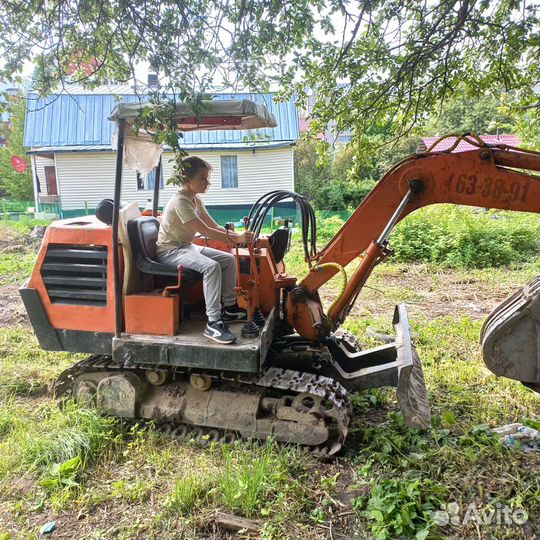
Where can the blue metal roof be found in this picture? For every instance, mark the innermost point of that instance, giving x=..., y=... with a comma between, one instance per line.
x=82, y=120
x=243, y=146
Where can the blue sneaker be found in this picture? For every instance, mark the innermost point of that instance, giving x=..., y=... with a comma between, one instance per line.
x=234, y=313
x=219, y=332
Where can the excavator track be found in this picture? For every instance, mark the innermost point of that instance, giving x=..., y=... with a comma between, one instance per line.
x=306, y=409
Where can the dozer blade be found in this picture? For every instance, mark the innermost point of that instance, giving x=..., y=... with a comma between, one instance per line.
x=411, y=387
x=395, y=364
x=510, y=337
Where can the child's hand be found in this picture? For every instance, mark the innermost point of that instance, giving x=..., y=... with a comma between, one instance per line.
x=245, y=237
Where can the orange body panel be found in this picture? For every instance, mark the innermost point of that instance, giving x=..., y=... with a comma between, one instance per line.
x=145, y=313
x=77, y=231
x=305, y=315
x=270, y=279
x=150, y=313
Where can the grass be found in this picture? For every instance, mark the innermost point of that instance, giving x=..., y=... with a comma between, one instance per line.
x=18, y=260
x=22, y=227
x=51, y=437
x=99, y=481
x=188, y=492
x=16, y=267
x=25, y=368
x=249, y=480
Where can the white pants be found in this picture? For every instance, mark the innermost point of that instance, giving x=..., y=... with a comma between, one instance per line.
x=219, y=274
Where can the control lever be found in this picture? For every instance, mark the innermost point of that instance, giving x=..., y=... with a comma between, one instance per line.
x=250, y=296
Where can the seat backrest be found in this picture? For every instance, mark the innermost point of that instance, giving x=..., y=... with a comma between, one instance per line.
x=132, y=276
x=143, y=233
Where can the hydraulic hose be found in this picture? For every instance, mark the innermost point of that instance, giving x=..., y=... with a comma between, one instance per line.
x=262, y=206
x=343, y=284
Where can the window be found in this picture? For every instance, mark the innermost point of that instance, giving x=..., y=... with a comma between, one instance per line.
x=229, y=172
x=149, y=181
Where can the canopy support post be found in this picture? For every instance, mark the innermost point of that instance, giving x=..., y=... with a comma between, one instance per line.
x=157, y=183
x=116, y=213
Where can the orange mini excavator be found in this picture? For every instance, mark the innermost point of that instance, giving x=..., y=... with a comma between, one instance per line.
x=97, y=288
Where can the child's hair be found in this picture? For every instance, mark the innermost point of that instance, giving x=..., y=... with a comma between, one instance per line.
x=191, y=166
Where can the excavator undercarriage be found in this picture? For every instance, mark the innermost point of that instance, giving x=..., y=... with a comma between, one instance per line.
x=290, y=406
x=308, y=405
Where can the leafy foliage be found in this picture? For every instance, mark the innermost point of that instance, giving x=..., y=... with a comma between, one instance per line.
x=397, y=58
x=483, y=115
x=459, y=237
x=332, y=182
x=13, y=184
x=402, y=507
x=406, y=57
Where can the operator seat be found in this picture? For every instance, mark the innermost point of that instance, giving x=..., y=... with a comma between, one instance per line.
x=143, y=234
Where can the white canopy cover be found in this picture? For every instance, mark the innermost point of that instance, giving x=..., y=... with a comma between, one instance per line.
x=142, y=154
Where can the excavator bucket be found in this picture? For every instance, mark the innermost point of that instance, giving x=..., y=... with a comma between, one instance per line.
x=511, y=337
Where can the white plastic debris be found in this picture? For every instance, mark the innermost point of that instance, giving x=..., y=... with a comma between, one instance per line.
x=519, y=436
x=48, y=528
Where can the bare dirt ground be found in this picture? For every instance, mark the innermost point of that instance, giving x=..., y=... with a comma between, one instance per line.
x=12, y=312
x=13, y=243
x=430, y=293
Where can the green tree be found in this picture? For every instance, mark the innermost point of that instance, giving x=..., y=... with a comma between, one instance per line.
x=332, y=181
x=311, y=166
x=371, y=61
x=15, y=185
x=462, y=113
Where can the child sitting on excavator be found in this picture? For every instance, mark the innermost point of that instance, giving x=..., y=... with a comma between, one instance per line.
x=184, y=217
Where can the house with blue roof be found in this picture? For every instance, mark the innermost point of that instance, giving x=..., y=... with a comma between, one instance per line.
x=69, y=137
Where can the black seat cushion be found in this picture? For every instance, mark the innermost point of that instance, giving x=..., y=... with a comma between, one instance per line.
x=143, y=234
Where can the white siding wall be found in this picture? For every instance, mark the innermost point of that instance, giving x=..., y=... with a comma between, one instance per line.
x=41, y=163
x=90, y=177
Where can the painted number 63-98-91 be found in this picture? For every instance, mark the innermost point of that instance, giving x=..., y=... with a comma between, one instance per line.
x=493, y=188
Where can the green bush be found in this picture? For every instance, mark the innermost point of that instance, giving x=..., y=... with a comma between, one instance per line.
x=342, y=193
x=7, y=205
x=327, y=227
x=461, y=237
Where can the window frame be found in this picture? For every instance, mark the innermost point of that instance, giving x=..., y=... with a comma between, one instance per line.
x=142, y=181
x=235, y=170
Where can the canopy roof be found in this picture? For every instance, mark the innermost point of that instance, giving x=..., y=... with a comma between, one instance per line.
x=142, y=154
x=207, y=115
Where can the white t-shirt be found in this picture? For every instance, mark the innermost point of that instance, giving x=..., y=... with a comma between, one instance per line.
x=180, y=209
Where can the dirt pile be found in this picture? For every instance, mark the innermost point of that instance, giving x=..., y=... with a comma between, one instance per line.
x=14, y=244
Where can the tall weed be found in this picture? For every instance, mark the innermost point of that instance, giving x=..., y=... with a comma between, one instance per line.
x=187, y=493
x=462, y=238
x=55, y=445
x=249, y=478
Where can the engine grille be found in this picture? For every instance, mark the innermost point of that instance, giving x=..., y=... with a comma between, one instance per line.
x=76, y=274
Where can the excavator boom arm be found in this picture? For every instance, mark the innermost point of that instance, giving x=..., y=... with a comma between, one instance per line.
x=485, y=177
